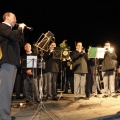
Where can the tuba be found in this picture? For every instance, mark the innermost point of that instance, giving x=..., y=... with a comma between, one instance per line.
x=44, y=40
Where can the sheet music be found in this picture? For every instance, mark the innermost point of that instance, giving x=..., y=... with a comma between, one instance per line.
x=31, y=61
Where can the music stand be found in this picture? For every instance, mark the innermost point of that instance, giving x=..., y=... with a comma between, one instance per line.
x=30, y=62
x=41, y=105
x=58, y=53
x=42, y=45
x=96, y=53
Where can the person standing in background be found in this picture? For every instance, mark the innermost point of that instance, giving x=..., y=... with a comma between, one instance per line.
x=52, y=69
x=30, y=77
x=10, y=60
x=108, y=70
x=79, y=59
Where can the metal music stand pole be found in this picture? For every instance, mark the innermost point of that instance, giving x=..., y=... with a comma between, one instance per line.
x=61, y=71
x=96, y=53
x=41, y=105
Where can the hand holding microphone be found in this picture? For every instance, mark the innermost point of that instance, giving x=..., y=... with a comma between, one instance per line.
x=24, y=26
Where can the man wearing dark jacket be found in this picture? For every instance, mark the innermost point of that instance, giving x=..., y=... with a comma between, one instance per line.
x=52, y=69
x=79, y=58
x=10, y=60
x=30, y=75
x=108, y=73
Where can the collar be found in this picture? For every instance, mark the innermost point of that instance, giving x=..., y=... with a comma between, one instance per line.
x=7, y=24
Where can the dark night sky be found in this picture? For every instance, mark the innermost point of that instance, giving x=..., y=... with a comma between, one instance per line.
x=90, y=22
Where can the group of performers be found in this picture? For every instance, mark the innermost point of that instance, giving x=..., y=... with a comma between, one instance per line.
x=75, y=73
x=79, y=71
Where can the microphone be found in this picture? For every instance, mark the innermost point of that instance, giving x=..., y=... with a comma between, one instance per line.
x=29, y=28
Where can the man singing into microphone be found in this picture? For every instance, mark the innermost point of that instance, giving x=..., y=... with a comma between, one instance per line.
x=10, y=61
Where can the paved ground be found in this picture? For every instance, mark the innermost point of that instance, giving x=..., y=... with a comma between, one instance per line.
x=67, y=109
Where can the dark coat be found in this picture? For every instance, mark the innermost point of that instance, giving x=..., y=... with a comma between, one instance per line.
x=52, y=65
x=109, y=62
x=79, y=62
x=93, y=65
x=10, y=43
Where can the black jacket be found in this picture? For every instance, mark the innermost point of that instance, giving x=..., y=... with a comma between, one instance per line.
x=10, y=43
x=52, y=65
x=79, y=62
x=109, y=62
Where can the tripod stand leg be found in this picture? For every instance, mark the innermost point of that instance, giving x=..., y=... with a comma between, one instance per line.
x=41, y=107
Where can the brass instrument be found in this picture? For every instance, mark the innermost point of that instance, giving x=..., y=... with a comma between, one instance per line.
x=44, y=40
x=65, y=49
x=109, y=49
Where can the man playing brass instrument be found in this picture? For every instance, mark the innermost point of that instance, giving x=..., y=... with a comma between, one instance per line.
x=79, y=58
x=108, y=70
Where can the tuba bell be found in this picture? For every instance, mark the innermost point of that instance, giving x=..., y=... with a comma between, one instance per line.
x=44, y=40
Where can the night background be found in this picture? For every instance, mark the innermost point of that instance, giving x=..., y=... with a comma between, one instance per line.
x=91, y=22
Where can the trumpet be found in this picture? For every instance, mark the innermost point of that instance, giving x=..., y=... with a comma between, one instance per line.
x=109, y=49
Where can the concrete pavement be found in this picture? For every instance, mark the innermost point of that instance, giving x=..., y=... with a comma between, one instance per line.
x=67, y=109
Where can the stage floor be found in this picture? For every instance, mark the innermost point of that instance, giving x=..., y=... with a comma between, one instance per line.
x=67, y=109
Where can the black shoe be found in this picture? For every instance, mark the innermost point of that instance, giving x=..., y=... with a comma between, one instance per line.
x=104, y=96
x=27, y=101
x=65, y=92
x=95, y=95
x=86, y=98
x=19, y=97
x=82, y=97
x=114, y=96
x=99, y=92
x=55, y=98
x=45, y=98
x=37, y=102
x=76, y=98
x=13, y=117
x=49, y=97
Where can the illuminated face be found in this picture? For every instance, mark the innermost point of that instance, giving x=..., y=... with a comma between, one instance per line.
x=12, y=19
x=52, y=45
x=107, y=45
x=28, y=47
x=79, y=46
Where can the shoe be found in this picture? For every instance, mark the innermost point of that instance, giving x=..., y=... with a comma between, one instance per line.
x=55, y=98
x=27, y=101
x=95, y=95
x=76, y=98
x=65, y=92
x=45, y=98
x=114, y=96
x=13, y=117
x=86, y=98
x=19, y=97
x=104, y=96
x=37, y=102
x=99, y=92
x=82, y=97
x=48, y=97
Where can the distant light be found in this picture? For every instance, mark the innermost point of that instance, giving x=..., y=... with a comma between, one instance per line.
x=21, y=104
